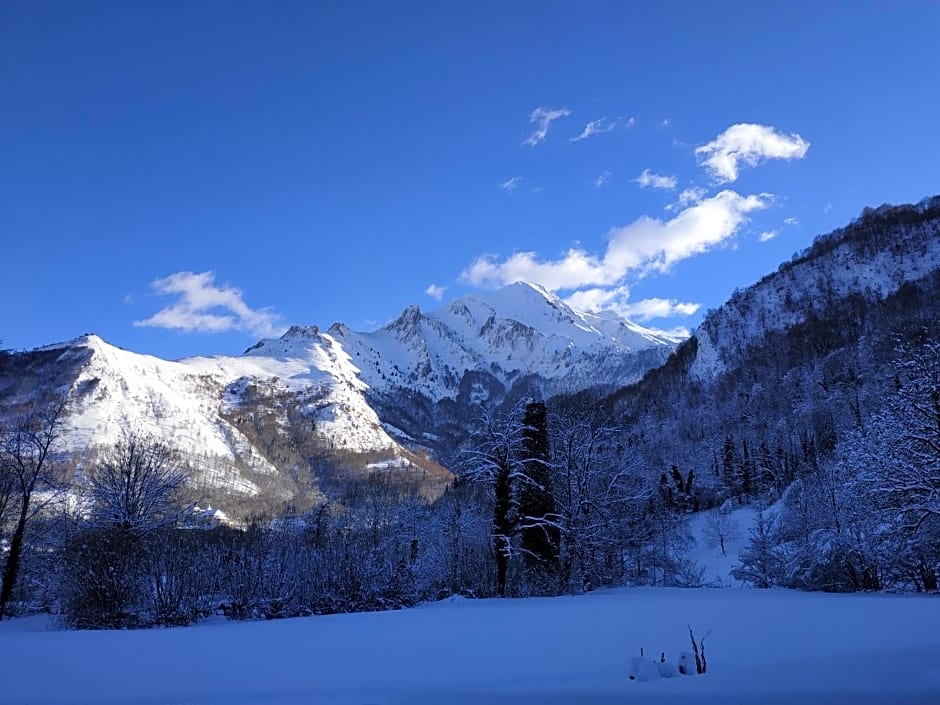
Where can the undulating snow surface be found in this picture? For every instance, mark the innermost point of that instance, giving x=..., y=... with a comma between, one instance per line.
x=765, y=648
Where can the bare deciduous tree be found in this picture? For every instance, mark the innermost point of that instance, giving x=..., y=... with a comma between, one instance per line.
x=27, y=468
x=720, y=528
x=137, y=486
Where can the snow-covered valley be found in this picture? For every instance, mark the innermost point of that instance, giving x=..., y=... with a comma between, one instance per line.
x=765, y=646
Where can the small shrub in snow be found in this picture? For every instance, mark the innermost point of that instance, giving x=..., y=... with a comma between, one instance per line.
x=690, y=663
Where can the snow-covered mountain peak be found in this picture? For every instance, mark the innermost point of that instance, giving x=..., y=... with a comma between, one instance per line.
x=409, y=320
x=536, y=308
x=301, y=332
x=522, y=295
x=299, y=342
x=520, y=330
x=86, y=340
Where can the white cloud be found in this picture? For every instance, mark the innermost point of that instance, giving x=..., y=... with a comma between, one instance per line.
x=646, y=245
x=631, y=122
x=512, y=184
x=650, y=180
x=767, y=235
x=543, y=117
x=598, y=299
x=827, y=208
x=791, y=221
x=677, y=333
x=666, y=122
x=602, y=179
x=595, y=127
x=687, y=197
x=435, y=291
x=747, y=144
x=205, y=307
x=617, y=299
x=648, y=309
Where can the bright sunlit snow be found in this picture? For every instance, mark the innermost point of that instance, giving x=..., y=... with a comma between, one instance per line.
x=765, y=648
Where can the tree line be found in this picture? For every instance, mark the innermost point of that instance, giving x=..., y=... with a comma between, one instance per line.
x=549, y=499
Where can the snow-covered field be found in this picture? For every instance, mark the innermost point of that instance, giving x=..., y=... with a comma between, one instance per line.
x=765, y=648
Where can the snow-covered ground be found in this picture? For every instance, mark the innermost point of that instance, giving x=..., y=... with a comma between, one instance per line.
x=765, y=648
x=707, y=555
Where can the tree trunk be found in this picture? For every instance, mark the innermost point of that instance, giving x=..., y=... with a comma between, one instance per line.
x=502, y=564
x=13, y=558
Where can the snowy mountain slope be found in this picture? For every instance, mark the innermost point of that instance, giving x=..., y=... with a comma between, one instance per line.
x=315, y=366
x=872, y=257
x=186, y=402
x=517, y=331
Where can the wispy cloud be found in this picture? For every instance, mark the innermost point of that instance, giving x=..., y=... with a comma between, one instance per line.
x=666, y=122
x=747, y=144
x=631, y=122
x=645, y=245
x=618, y=299
x=687, y=197
x=678, y=333
x=649, y=309
x=791, y=221
x=595, y=127
x=202, y=306
x=827, y=208
x=543, y=118
x=599, y=299
x=767, y=235
x=601, y=179
x=650, y=180
x=435, y=291
x=512, y=184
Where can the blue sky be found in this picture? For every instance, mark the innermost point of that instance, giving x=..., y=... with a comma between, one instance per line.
x=182, y=178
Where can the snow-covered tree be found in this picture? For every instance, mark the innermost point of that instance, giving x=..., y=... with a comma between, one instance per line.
x=720, y=528
x=759, y=563
x=493, y=457
x=539, y=533
x=508, y=455
x=27, y=466
x=601, y=495
x=137, y=486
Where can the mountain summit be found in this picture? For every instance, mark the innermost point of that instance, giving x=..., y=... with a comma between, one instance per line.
x=518, y=331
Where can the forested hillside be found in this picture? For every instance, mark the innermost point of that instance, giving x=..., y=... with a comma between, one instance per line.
x=778, y=385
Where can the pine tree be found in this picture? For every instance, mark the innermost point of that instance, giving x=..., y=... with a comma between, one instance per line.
x=537, y=512
x=747, y=471
x=730, y=466
x=759, y=563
